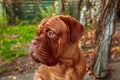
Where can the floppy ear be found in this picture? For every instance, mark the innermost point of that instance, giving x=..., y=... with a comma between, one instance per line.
x=75, y=28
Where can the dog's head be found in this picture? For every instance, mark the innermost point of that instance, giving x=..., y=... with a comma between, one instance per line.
x=53, y=36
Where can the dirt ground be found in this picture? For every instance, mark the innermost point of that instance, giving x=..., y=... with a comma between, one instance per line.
x=24, y=68
x=22, y=65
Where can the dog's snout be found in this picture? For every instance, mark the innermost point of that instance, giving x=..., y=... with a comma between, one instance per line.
x=34, y=42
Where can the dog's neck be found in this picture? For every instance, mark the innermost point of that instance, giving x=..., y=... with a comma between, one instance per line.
x=71, y=55
x=70, y=58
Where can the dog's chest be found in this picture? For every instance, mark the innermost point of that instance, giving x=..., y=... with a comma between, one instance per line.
x=58, y=72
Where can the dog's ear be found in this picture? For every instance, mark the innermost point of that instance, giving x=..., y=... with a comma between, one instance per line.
x=76, y=29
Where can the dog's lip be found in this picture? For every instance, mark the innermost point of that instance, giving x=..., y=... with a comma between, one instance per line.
x=37, y=57
x=42, y=60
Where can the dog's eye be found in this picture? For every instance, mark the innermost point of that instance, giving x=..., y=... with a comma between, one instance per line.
x=51, y=34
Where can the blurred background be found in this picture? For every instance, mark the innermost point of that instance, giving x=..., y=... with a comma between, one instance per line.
x=19, y=20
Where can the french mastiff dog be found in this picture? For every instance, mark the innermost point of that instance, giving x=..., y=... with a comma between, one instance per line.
x=56, y=48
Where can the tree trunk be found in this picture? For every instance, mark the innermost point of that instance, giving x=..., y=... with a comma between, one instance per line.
x=105, y=29
x=63, y=7
x=74, y=8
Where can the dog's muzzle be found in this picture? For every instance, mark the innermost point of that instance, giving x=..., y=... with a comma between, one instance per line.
x=39, y=54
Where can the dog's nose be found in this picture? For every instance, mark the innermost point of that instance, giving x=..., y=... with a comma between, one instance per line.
x=34, y=42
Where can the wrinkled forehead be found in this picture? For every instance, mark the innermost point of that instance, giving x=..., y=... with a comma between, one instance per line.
x=55, y=24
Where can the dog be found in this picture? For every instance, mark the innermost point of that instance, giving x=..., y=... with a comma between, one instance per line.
x=56, y=48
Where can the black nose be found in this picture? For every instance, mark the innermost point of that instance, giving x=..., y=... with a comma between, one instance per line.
x=33, y=42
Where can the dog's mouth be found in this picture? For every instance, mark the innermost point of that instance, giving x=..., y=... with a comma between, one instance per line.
x=43, y=58
x=40, y=58
x=35, y=58
x=42, y=52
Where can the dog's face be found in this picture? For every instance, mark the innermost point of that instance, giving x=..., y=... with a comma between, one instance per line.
x=53, y=37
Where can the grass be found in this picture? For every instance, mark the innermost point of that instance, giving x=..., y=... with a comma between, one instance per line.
x=15, y=41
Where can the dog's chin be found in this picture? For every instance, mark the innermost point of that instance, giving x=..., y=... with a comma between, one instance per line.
x=51, y=63
x=48, y=60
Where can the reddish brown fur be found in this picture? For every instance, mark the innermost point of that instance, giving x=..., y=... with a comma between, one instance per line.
x=56, y=47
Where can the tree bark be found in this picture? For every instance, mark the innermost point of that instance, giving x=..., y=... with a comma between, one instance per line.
x=105, y=29
x=74, y=8
x=63, y=7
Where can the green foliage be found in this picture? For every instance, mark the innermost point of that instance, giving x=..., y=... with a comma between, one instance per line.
x=2, y=69
x=45, y=12
x=24, y=22
x=3, y=20
x=15, y=41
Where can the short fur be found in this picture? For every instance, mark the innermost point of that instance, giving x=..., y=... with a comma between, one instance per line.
x=56, y=47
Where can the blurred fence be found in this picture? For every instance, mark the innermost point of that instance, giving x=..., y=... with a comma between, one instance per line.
x=30, y=8
x=24, y=9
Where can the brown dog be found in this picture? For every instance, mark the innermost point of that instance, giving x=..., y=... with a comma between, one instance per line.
x=56, y=47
